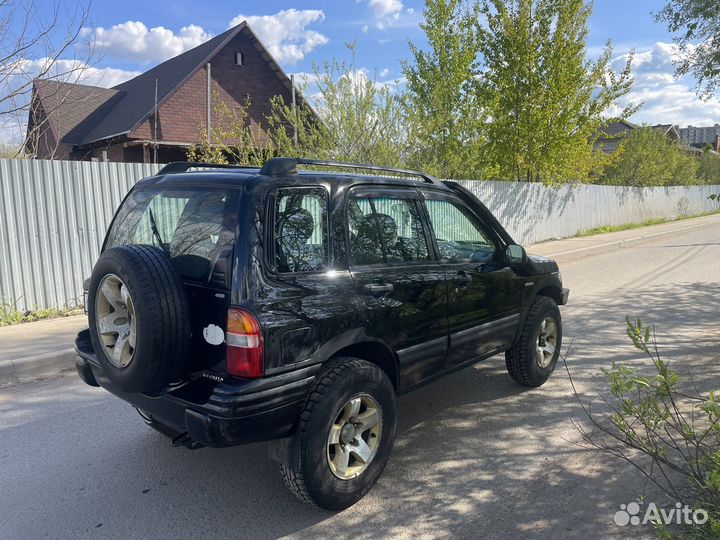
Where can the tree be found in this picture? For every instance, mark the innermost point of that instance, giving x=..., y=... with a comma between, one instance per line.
x=545, y=98
x=233, y=138
x=38, y=43
x=359, y=118
x=648, y=158
x=444, y=110
x=352, y=118
x=696, y=24
x=709, y=167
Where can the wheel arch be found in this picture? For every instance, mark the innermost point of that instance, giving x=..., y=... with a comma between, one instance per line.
x=552, y=291
x=376, y=352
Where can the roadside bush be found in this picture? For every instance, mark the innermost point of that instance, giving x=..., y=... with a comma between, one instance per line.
x=669, y=433
x=646, y=157
x=10, y=314
x=709, y=167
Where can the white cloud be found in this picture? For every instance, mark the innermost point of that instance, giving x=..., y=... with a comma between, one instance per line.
x=666, y=99
x=66, y=70
x=286, y=33
x=134, y=41
x=384, y=72
x=386, y=13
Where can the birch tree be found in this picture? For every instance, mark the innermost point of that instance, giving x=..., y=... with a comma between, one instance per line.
x=545, y=97
x=444, y=109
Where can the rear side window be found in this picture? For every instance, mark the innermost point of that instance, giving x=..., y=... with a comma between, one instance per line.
x=300, y=230
x=194, y=226
x=385, y=230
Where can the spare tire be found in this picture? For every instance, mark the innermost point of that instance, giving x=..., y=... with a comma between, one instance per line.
x=139, y=318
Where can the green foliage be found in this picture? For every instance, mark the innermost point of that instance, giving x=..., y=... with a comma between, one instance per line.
x=360, y=118
x=12, y=151
x=9, y=314
x=545, y=98
x=354, y=119
x=233, y=137
x=444, y=108
x=670, y=435
x=646, y=157
x=709, y=167
x=696, y=24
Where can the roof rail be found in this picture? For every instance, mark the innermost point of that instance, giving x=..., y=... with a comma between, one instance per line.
x=283, y=165
x=183, y=166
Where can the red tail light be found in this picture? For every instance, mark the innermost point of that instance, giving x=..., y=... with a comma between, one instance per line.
x=244, y=344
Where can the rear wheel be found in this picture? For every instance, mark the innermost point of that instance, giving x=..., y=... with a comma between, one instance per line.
x=532, y=359
x=345, y=435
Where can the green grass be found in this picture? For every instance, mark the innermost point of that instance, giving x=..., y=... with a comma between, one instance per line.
x=646, y=223
x=9, y=314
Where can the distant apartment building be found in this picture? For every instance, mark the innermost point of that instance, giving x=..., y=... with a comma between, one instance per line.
x=698, y=137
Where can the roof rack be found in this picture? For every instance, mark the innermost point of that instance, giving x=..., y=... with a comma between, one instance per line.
x=284, y=165
x=175, y=167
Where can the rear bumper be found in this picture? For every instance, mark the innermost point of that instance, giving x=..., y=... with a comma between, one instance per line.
x=237, y=412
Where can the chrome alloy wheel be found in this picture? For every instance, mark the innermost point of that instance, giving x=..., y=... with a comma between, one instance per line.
x=115, y=320
x=546, y=342
x=354, y=437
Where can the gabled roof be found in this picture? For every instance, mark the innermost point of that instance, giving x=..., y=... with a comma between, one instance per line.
x=615, y=128
x=668, y=129
x=68, y=106
x=119, y=110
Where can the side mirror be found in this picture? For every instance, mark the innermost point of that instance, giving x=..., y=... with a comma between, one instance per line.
x=515, y=254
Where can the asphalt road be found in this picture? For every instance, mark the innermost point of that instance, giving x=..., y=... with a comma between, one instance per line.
x=476, y=455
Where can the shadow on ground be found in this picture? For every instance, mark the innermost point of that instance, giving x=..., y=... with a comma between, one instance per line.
x=476, y=455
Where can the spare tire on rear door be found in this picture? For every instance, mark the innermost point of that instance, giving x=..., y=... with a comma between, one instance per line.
x=139, y=319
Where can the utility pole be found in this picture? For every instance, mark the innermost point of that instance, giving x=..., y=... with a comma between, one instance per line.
x=155, y=123
x=295, y=119
x=209, y=104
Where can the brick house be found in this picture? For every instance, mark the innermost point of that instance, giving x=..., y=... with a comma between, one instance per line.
x=128, y=123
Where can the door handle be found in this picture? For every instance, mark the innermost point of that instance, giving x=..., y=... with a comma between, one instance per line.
x=463, y=279
x=378, y=288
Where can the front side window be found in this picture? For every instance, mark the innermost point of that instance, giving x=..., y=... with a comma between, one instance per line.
x=300, y=230
x=385, y=230
x=192, y=225
x=460, y=237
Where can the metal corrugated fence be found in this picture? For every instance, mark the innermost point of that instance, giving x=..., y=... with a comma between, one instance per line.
x=53, y=217
x=533, y=212
x=54, y=214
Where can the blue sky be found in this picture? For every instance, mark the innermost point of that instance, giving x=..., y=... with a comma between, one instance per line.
x=133, y=35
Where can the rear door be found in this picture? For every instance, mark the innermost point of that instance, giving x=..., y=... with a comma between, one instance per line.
x=398, y=278
x=196, y=227
x=484, y=294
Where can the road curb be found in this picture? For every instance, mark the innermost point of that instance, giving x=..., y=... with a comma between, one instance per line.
x=40, y=366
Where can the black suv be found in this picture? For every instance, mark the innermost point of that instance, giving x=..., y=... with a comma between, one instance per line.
x=233, y=305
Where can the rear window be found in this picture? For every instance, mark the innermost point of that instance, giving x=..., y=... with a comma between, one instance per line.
x=195, y=226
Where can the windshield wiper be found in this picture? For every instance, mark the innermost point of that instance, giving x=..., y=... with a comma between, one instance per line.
x=154, y=227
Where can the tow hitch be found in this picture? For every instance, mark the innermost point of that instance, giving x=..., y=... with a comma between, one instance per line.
x=176, y=437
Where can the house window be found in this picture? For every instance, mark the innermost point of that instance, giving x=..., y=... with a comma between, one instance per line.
x=239, y=58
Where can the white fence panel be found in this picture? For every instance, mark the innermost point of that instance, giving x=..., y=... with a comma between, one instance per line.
x=53, y=217
x=54, y=214
x=532, y=212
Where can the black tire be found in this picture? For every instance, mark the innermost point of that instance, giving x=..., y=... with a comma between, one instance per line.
x=314, y=482
x=521, y=358
x=160, y=314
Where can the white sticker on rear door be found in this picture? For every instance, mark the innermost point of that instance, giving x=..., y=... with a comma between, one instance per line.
x=213, y=334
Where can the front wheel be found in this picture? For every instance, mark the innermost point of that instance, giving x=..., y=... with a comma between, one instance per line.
x=533, y=357
x=345, y=435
